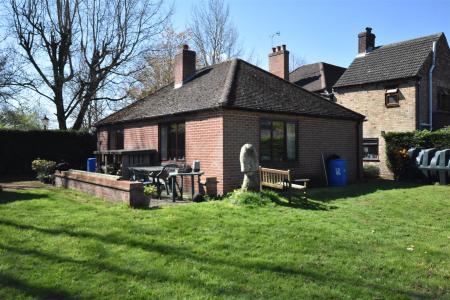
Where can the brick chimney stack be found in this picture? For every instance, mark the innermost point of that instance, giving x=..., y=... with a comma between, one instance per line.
x=184, y=66
x=279, y=62
x=366, y=41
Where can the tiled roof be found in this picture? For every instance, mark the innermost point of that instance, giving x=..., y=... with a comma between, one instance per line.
x=232, y=84
x=388, y=62
x=316, y=77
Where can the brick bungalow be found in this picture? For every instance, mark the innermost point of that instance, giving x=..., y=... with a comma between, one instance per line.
x=398, y=88
x=208, y=114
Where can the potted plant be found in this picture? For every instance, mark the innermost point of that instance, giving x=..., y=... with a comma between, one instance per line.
x=149, y=192
x=45, y=169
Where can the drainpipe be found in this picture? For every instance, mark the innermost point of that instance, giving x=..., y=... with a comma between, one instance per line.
x=430, y=88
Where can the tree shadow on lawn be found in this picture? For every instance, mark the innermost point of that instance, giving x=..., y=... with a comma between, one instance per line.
x=328, y=194
x=182, y=253
x=302, y=203
x=8, y=196
x=40, y=292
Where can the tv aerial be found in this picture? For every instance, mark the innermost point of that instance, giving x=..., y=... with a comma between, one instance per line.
x=272, y=36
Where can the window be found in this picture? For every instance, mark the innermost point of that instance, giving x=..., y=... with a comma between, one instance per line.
x=370, y=149
x=115, y=139
x=443, y=100
x=392, y=97
x=278, y=140
x=172, y=141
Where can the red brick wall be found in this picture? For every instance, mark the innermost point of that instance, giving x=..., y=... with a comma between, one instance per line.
x=315, y=136
x=204, y=142
x=141, y=136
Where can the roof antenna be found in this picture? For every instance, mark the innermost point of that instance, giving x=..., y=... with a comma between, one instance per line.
x=272, y=36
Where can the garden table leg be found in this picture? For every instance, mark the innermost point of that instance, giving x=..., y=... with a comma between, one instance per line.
x=192, y=186
x=173, y=179
x=182, y=187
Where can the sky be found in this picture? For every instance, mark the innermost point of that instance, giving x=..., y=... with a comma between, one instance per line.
x=326, y=30
x=319, y=30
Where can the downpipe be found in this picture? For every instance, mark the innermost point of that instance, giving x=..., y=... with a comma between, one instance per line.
x=430, y=89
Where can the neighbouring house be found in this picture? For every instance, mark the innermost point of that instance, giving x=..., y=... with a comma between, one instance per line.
x=398, y=87
x=210, y=113
x=317, y=78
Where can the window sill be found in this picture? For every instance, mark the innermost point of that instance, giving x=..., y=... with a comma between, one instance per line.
x=371, y=159
x=170, y=161
x=392, y=105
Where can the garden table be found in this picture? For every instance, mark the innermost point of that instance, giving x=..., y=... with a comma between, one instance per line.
x=173, y=176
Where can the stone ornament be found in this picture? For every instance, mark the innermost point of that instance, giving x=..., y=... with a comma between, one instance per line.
x=249, y=166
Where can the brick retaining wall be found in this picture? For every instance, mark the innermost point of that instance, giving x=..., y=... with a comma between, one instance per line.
x=104, y=186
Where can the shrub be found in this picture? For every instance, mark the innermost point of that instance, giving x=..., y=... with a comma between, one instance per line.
x=240, y=197
x=398, y=143
x=45, y=169
x=371, y=172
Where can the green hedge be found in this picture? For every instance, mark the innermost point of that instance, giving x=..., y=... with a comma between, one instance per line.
x=18, y=148
x=398, y=143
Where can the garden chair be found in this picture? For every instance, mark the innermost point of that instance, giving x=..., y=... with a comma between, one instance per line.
x=163, y=180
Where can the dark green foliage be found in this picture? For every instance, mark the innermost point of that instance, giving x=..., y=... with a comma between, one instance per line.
x=398, y=143
x=45, y=169
x=18, y=148
x=371, y=172
x=240, y=197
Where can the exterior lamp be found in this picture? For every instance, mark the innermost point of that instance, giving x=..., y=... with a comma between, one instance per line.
x=45, y=122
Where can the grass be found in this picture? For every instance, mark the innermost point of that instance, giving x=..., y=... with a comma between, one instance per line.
x=380, y=240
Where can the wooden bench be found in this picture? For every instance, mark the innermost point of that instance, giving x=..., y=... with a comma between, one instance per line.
x=281, y=179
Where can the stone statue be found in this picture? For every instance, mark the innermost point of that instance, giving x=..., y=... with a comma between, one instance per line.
x=249, y=166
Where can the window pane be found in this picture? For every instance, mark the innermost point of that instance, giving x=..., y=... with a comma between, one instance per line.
x=290, y=142
x=443, y=102
x=265, y=127
x=181, y=141
x=119, y=139
x=163, y=141
x=392, y=99
x=370, y=148
x=277, y=140
x=172, y=141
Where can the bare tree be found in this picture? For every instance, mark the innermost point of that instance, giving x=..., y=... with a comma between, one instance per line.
x=84, y=50
x=159, y=64
x=295, y=62
x=214, y=36
x=8, y=76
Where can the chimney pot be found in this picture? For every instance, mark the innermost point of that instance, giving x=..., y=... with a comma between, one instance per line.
x=184, y=66
x=279, y=62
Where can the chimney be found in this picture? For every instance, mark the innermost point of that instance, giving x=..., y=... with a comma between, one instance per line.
x=366, y=41
x=184, y=66
x=279, y=62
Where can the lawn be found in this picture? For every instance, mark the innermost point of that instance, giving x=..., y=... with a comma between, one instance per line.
x=379, y=240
